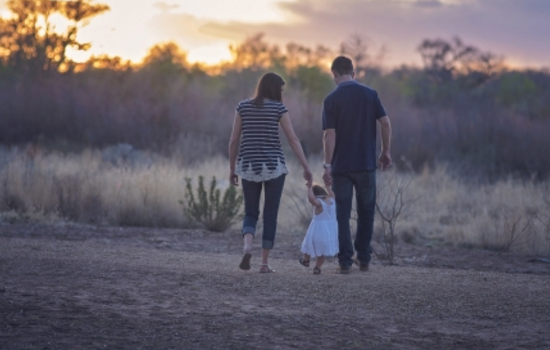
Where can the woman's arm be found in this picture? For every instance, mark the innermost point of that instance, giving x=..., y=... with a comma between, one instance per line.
x=234, y=148
x=294, y=143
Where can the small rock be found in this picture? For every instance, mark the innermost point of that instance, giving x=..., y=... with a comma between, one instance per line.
x=539, y=260
x=3, y=290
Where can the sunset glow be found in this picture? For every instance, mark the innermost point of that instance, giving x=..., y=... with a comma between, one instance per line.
x=204, y=29
x=130, y=29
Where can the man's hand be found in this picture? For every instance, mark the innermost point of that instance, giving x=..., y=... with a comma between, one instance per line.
x=385, y=160
x=327, y=177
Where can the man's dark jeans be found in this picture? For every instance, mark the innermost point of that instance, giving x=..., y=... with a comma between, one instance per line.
x=365, y=194
x=252, y=193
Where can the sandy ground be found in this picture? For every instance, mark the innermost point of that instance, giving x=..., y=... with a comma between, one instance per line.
x=87, y=287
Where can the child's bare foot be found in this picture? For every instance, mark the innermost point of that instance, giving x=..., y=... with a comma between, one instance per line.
x=318, y=263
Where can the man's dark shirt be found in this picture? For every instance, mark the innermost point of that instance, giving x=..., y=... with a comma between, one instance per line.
x=352, y=109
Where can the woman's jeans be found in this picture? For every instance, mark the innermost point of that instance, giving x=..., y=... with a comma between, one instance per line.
x=365, y=195
x=252, y=193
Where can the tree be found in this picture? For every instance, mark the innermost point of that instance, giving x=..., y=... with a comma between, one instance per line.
x=113, y=63
x=30, y=42
x=167, y=60
x=255, y=53
x=304, y=67
x=358, y=48
x=298, y=55
x=168, y=53
x=446, y=60
x=306, y=74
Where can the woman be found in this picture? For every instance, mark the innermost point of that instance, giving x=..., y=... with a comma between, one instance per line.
x=261, y=162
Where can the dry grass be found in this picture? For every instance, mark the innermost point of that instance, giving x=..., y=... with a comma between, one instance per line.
x=138, y=189
x=470, y=214
x=121, y=186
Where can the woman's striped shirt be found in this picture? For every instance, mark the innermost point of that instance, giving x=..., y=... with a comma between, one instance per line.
x=261, y=157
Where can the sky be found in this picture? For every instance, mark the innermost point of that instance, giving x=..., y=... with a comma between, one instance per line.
x=517, y=30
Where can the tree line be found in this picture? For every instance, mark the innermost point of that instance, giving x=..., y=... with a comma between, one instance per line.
x=463, y=106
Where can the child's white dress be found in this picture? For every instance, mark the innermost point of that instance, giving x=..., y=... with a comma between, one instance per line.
x=322, y=235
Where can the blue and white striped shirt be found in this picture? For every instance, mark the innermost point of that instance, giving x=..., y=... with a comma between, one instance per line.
x=261, y=157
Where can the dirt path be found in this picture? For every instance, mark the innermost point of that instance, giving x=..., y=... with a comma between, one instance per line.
x=118, y=293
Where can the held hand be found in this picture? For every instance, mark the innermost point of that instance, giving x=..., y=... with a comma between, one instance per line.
x=234, y=179
x=327, y=177
x=385, y=160
x=308, y=176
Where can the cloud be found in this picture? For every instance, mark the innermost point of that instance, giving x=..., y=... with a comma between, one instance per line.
x=428, y=3
x=160, y=5
x=185, y=29
x=516, y=29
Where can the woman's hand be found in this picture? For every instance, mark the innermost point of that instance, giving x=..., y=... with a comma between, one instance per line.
x=308, y=176
x=234, y=179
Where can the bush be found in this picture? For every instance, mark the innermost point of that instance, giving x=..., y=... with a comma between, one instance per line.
x=207, y=209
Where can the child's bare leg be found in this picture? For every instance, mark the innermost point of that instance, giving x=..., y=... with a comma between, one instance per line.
x=319, y=262
x=304, y=260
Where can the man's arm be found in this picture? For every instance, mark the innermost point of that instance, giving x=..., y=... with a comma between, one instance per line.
x=385, y=131
x=329, y=142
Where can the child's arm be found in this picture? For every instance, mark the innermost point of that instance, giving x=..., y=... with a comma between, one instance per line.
x=312, y=199
x=329, y=191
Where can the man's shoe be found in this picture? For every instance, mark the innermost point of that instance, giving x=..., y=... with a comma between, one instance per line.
x=362, y=266
x=344, y=270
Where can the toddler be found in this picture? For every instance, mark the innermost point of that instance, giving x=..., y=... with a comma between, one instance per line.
x=321, y=239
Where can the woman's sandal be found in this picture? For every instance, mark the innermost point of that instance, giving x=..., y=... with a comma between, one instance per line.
x=316, y=271
x=265, y=268
x=245, y=262
x=304, y=262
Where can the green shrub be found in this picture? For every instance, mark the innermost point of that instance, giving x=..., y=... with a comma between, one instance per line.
x=206, y=209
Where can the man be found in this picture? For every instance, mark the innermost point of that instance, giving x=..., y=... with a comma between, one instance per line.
x=350, y=114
